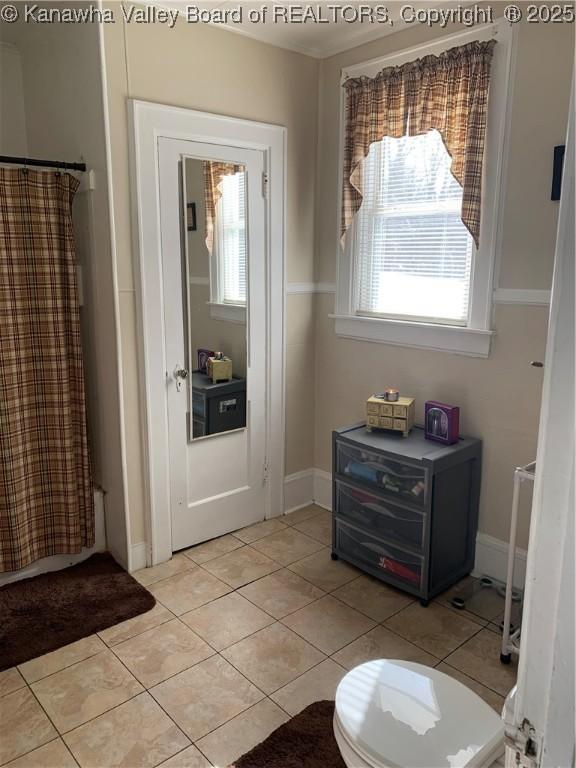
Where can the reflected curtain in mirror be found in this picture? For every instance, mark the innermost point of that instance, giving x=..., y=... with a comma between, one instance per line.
x=46, y=498
x=214, y=173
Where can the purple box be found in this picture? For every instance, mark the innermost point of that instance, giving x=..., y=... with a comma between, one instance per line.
x=441, y=422
x=203, y=355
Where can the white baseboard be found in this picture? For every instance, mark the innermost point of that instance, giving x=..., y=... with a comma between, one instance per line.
x=492, y=560
x=314, y=486
x=59, y=562
x=311, y=486
x=323, y=488
x=137, y=557
x=298, y=490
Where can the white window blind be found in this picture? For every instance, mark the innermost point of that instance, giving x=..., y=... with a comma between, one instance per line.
x=231, y=239
x=412, y=254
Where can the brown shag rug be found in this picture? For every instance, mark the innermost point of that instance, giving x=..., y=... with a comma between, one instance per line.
x=45, y=612
x=305, y=741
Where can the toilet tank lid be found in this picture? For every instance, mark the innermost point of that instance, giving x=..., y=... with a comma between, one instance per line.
x=398, y=714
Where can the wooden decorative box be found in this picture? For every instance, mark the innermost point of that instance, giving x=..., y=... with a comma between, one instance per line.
x=397, y=416
x=219, y=369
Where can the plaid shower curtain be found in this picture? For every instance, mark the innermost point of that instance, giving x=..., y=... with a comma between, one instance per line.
x=46, y=499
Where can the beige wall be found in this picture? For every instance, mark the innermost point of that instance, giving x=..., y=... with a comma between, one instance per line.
x=211, y=70
x=13, y=140
x=499, y=397
x=65, y=121
x=206, y=332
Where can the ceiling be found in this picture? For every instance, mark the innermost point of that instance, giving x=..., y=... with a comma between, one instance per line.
x=331, y=28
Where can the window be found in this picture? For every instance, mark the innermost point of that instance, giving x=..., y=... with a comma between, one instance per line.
x=413, y=255
x=230, y=240
x=409, y=272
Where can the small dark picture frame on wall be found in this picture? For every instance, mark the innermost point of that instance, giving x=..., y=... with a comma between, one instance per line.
x=191, y=217
x=557, y=171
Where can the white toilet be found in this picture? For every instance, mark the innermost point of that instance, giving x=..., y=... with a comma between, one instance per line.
x=397, y=714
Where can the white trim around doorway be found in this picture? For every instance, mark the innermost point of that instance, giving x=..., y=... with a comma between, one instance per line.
x=149, y=122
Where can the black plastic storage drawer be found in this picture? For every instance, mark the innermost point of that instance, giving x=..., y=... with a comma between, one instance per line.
x=401, y=481
x=371, y=554
x=376, y=514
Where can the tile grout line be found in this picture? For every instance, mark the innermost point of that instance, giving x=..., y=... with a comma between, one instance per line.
x=184, y=669
x=233, y=590
x=464, y=643
x=194, y=742
x=58, y=732
x=69, y=666
x=413, y=642
x=218, y=653
x=266, y=697
x=116, y=706
x=336, y=651
x=29, y=751
x=93, y=719
x=244, y=544
x=137, y=634
x=61, y=734
x=473, y=678
x=66, y=666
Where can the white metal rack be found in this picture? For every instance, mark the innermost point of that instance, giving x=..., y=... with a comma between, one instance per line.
x=511, y=641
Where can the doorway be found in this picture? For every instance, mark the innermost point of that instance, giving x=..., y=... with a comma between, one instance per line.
x=210, y=229
x=212, y=222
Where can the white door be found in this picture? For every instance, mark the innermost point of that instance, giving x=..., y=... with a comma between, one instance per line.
x=545, y=696
x=217, y=478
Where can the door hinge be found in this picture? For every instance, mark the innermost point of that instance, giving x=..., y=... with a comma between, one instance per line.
x=523, y=742
x=265, y=181
x=265, y=472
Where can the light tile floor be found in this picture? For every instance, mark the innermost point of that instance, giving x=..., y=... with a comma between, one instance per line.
x=248, y=630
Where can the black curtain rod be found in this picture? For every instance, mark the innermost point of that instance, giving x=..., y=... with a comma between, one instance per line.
x=26, y=161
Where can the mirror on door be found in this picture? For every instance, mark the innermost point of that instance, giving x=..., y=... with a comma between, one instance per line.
x=216, y=263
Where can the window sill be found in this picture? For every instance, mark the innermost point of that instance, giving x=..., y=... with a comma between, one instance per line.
x=442, y=338
x=231, y=313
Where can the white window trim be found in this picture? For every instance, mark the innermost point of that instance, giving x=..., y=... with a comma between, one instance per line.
x=219, y=309
x=231, y=313
x=475, y=338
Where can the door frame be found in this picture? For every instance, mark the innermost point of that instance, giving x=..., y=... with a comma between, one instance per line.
x=543, y=707
x=148, y=122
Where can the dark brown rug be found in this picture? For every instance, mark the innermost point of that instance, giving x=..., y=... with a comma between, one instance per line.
x=48, y=611
x=305, y=741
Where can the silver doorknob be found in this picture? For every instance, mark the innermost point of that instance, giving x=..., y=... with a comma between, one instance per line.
x=180, y=374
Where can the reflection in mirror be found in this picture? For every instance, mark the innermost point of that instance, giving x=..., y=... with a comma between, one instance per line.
x=216, y=240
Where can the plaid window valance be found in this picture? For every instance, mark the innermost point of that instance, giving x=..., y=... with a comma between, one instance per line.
x=448, y=93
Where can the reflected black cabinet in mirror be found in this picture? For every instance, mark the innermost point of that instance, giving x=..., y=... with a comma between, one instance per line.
x=217, y=407
x=405, y=509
